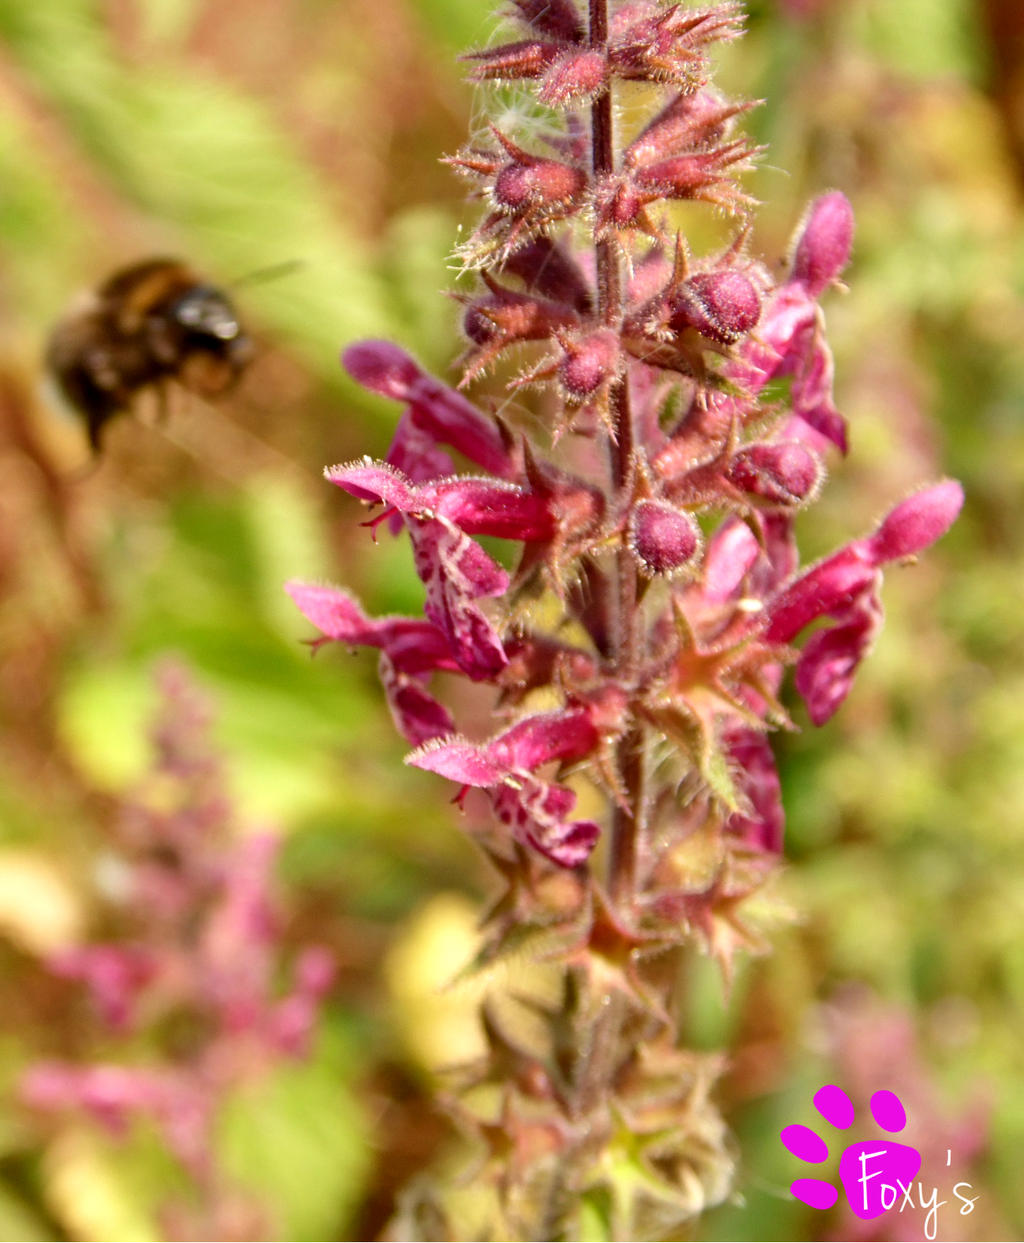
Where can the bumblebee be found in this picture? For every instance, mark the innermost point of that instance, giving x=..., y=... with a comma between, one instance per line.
x=147, y=326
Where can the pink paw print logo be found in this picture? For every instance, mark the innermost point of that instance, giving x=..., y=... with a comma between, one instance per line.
x=869, y=1171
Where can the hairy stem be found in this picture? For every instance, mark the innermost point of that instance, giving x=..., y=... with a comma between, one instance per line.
x=626, y=821
x=609, y=283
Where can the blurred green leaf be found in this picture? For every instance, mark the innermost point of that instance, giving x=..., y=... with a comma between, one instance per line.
x=299, y=1141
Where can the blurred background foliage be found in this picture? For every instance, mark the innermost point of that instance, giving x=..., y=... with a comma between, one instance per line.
x=241, y=136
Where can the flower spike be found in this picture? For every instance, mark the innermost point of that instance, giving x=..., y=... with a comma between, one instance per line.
x=665, y=416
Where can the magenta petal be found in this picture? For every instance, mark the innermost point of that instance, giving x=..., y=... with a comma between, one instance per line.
x=730, y=555
x=492, y=507
x=382, y=368
x=460, y=761
x=415, y=453
x=781, y=554
x=115, y=974
x=917, y=522
x=49, y=1085
x=781, y=336
x=109, y=1093
x=537, y=812
x=569, y=843
x=475, y=642
x=436, y=409
x=476, y=506
x=814, y=374
x=440, y=549
x=315, y=971
x=827, y=588
x=790, y=341
x=417, y=714
x=456, y=572
x=828, y=424
x=824, y=673
x=537, y=740
x=412, y=644
x=333, y=611
x=375, y=481
x=754, y=761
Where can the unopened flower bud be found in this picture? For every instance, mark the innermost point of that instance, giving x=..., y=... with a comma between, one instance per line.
x=575, y=77
x=382, y=368
x=589, y=363
x=691, y=120
x=618, y=204
x=823, y=245
x=722, y=306
x=666, y=43
x=917, y=522
x=538, y=184
x=529, y=58
x=781, y=474
x=706, y=175
x=505, y=317
x=664, y=539
x=477, y=327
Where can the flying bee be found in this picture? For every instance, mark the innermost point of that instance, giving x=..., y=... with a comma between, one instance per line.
x=148, y=325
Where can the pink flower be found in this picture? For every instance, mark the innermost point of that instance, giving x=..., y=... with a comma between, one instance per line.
x=455, y=570
x=294, y=1017
x=475, y=505
x=832, y=584
x=535, y=810
x=763, y=825
x=111, y=1094
x=410, y=650
x=664, y=539
x=415, y=453
x=204, y=959
x=845, y=587
x=790, y=338
x=730, y=555
x=115, y=974
x=435, y=410
x=823, y=243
